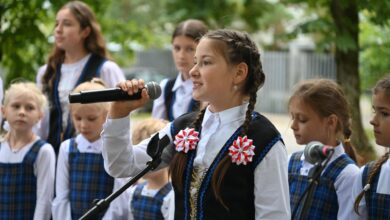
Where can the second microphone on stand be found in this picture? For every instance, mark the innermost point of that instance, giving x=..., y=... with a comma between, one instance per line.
x=317, y=152
x=114, y=94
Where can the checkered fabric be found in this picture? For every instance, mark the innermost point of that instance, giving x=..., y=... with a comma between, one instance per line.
x=88, y=180
x=148, y=208
x=18, y=186
x=324, y=204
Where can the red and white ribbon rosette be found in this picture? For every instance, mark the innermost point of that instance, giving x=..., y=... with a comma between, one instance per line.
x=242, y=150
x=186, y=140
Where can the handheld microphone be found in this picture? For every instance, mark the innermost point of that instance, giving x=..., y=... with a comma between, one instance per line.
x=316, y=152
x=113, y=94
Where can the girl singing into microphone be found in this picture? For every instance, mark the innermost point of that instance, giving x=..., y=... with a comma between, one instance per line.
x=227, y=161
x=319, y=112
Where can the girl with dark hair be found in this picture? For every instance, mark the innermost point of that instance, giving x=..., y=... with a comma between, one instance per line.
x=227, y=161
x=372, y=187
x=78, y=55
x=176, y=98
x=320, y=112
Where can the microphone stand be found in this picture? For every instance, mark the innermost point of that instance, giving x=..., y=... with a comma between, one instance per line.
x=102, y=204
x=314, y=175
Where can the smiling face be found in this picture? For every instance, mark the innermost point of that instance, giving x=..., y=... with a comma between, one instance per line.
x=88, y=119
x=381, y=118
x=306, y=124
x=213, y=77
x=68, y=33
x=22, y=112
x=183, y=54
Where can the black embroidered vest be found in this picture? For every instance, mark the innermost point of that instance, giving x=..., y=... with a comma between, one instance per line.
x=237, y=189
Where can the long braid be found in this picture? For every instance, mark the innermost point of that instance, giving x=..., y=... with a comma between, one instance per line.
x=239, y=48
x=178, y=163
x=383, y=85
x=348, y=147
x=371, y=175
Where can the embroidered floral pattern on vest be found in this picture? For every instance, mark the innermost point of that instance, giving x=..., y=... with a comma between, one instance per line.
x=198, y=175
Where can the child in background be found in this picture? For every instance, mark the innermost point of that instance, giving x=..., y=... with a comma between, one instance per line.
x=80, y=177
x=320, y=112
x=372, y=185
x=27, y=163
x=226, y=161
x=79, y=53
x=176, y=98
x=154, y=198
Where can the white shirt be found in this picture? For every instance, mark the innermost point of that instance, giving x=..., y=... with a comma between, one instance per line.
x=342, y=184
x=167, y=208
x=271, y=181
x=383, y=186
x=118, y=208
x=44, y=168
x=110, y=73
x=183, y=91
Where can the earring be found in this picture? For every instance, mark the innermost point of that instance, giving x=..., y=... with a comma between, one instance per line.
x=235, y=87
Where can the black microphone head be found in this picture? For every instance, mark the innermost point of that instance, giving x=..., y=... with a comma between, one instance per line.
x=311, y=152
x=154, y=90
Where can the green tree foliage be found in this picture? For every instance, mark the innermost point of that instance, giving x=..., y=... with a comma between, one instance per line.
x=23, y=43
x=375, y=50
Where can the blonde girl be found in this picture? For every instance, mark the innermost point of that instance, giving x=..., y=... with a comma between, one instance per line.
x=27, y=163
x=80, y=176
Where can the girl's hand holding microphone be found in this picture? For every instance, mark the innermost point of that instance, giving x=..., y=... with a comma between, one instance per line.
x=120, y=109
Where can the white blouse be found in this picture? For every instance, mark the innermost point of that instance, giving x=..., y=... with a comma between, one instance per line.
x=110, y=73
x=183, y=98
x=118, y=208
x=44, y=170
x=271, y=190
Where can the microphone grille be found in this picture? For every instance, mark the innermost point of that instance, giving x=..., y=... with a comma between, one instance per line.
x=309, y=151
x=154, y=90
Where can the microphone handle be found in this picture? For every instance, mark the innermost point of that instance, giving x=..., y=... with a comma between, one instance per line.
x=107, y=95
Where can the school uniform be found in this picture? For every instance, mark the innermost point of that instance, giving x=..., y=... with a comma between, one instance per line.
x=26, y=181
x=81, y=178
x=332, y=197
x=68, y=77
x=175, y=100
x=375, y=203
x=266, y=177
x=151, y=203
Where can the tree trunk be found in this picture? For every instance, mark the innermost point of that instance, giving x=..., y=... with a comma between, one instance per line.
x=345, y=16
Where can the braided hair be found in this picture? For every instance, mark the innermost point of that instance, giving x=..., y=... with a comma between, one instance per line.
x=326, y=97
x=236, y=47
x=382, y=85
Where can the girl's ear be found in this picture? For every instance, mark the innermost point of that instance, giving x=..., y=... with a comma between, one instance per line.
x=332, y=121
x=85, y=32
x=241, y=73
